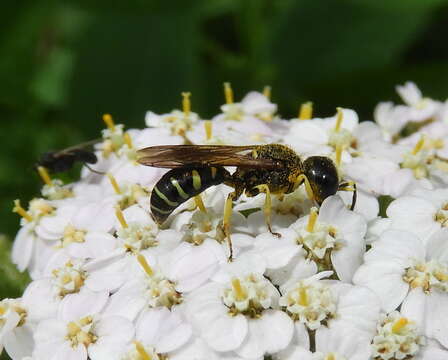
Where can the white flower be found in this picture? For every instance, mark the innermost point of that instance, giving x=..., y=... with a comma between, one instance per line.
x=25, y=251
x=423, y=212
x=80, y=331
x=159, y=334
x=334, y=239
x=397, y=337
x=420, y=108
x=400, y=270
x=285, y=258
x=178, y=122
x=391, y=119
x=111, y=283
x=16, y=330
x=309, y=301
x=161, y=283
x=323, y=136
x=238, y=312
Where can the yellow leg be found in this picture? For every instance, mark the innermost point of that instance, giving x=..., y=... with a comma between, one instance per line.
x=226, y=222
x=350, y=186
x=302, y=178
x=267, y=207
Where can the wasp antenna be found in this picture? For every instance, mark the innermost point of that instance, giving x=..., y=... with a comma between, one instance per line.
x=93, y=170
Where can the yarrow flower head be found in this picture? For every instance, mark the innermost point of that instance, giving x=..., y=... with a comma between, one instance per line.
x=268, y=263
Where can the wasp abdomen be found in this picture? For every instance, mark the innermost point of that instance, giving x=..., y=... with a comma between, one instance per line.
x=179, y=185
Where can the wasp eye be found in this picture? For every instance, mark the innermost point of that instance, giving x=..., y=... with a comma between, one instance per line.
x=322, y=175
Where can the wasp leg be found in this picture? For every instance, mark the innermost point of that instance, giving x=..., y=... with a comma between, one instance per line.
x=226, y=221
x=350, y=186
x=303, y=179
x=267, y=207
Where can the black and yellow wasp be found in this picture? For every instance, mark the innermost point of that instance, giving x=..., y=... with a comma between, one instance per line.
x=272, y=169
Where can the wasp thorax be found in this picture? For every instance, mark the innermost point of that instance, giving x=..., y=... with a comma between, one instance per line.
x=322, y=175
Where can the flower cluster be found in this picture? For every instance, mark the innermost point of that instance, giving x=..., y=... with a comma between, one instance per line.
x=327, y=283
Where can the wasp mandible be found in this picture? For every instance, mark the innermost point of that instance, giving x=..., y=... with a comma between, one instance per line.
x=272, y=169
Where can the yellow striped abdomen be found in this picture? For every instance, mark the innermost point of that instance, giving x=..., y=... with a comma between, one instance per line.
x=179, y=185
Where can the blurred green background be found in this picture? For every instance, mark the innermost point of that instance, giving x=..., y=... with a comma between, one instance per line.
x=64, y=63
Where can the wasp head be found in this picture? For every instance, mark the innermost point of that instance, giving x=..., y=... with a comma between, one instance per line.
x=322, y=175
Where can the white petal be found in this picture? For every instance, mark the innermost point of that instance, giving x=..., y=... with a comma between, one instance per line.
x=346, y=342
x=96, y=244
x=84, y=303
x=196, y=349
x=385, y=279
x=298, y=268
x=136, y=214
x=413, y=214
x=358, y=307
x=432, y=353
x=19, y=342
x=191, y=266
x=414, y=307
x=22, y=248
x=301, y=336
x=348, y=259
x=128, y=301
x=107, y=348
x=277, y=252
x=226, y=333
x=430, y=312
x=409, y=93
x=115, y=327
x=270, y=333
x=396, y=246
x=40, y=300
x=68, y=352
x=366, y=204
x=294, y=353
x=163, y=329
x=333, y=211
x=437, y=248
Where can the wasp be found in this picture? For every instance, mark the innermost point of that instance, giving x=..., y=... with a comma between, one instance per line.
x=64, y=160
x=271, y=169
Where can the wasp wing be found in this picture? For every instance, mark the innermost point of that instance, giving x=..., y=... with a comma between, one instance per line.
x=174, y=156
x=74, y=148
